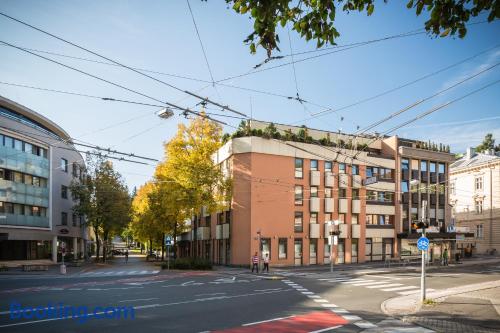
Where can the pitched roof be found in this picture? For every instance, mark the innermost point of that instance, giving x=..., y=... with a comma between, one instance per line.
x=476, y=160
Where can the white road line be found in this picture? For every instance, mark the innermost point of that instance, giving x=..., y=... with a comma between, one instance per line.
x=351, y=317
x=321, y=301
x=212, y=294
x=266, y=321
x=268, y=289
x=131, y=272
x=326, y=329
x=155, y=272
x=307, y=293
x=362, y=284
x=107, y=273
x=339, y=310
x=412, y=291
x=121, y=272
x=329, y=305
x=364, y=324
x=314, y=296
x=399, y=288
x=138, y=299
x=385, y=285
x=75, y=289
x=361, y=281
x=143, y=272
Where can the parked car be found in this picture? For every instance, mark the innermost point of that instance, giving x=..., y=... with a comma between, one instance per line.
x=116, y=252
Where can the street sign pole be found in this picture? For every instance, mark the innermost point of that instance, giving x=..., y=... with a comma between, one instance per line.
x=422, y=277
x=168, y=257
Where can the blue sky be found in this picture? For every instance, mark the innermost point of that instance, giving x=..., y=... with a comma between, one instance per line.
x=159, y=35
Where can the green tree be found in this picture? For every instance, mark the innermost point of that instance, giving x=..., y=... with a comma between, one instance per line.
x=104, y=199
x=487, y=144
x=314, y=19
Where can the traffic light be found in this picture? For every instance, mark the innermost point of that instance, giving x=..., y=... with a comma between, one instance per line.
x=335, y=231
x=423, y=225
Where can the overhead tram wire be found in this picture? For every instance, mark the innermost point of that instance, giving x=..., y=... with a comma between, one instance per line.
x=404, y=85
x=434, y=109
x=224, y=107
x=397, y=113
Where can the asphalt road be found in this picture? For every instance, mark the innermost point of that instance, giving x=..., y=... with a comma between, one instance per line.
x=231, y=301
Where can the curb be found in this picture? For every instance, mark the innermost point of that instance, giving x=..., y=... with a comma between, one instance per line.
x=413, y=304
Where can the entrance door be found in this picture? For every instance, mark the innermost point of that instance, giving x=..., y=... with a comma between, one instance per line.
x=298, y=252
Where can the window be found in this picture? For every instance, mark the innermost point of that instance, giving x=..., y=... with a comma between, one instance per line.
x=355, y=169
x=313, y=218
x=28, y=148
x=298, y=222
x=432, y=167
x=404, y=187
x=342, y=168
x=64, y=192
x=35, y=211
x=36, y=181
x=380, y=173
x=380, y=197
x=64, y=218
x=28, y=179
x=423, y=166
x=355, y=194
x=299, y=164
x=478, y=183
x=74, y=219
x=314, y=164
x=441, y=168
x=75, y=170
x=18, y=144
x=328, y=192
x=479, y=231
x=64, y=165
x=18, y=177
x=342, y=193
x=328, y=166
x=265, y=247
x=314, y=191
x=342, y=218
x=373, y=219
x=405, y=164
x=9, y=142
x=299, y=195
x=354, y=218
x=328, y=217
x=479, y=206
x=282, y=248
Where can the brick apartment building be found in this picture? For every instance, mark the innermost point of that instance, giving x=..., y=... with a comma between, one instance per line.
x=284, y=191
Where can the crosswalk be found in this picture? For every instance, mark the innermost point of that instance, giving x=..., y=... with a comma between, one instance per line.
x=103, y=273
x=387, y=285
x=494, y=269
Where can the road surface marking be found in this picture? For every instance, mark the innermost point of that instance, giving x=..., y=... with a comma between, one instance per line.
x=360, y=281
x=385, y=285
x=211, y=294
x=364, y=324
x=351, y=317
x=400, y=288
x=338, y=310
x=329, y=305
x=266, y=321
x=362, y=284
x=268, y=289
x=186, y=283
x=321, y=301
x=314, y=296
x=138, y=299
x=307, y=293
x=131, y=272
x=326, y=329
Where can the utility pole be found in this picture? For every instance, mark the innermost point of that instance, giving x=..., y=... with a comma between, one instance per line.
x=333, y=238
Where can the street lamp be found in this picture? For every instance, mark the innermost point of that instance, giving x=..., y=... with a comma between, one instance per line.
x=165, y=113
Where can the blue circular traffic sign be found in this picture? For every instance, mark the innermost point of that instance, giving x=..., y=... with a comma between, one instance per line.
x=423, y=243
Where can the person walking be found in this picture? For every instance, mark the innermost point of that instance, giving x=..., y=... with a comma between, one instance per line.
x=445, y=257
x=266, y=263
x=126, y=256
x=255, y=262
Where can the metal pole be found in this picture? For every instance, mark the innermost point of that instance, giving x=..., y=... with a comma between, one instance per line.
x=422, y=277
x=168, y=257
x=331, y=254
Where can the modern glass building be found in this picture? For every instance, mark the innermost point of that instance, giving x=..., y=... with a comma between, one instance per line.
x=37, y=164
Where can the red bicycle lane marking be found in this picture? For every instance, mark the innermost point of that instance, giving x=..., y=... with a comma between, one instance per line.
x=310, y=322
x=101, y=283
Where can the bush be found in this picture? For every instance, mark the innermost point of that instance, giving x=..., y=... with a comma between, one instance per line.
x=189, y=263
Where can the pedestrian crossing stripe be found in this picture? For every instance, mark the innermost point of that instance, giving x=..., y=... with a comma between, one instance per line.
x=114, y=273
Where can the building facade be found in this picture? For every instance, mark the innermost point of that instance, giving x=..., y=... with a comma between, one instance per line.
x=285, y=192
x=37, y=164
x=475, y=198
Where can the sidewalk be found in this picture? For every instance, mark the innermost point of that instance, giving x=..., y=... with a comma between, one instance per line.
x=469, y=308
